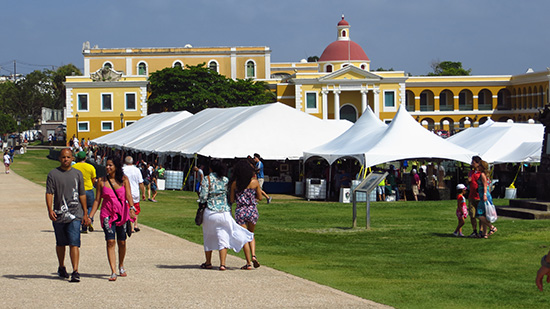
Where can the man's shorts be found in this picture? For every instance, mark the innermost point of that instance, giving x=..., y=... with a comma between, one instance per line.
x=415, y=189
x=261, y=181
x=120, y=232
x=472, y=207
x=138, y=208
x=67, y=234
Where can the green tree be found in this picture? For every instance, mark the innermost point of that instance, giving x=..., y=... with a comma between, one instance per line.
x=7, y=124
x=313, y=59
x=197, y=87
x=57, y=80
x=448, y=68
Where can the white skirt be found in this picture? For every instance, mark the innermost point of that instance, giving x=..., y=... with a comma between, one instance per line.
x=220, y=231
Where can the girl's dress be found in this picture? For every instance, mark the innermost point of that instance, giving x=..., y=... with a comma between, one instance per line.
x=111, y=208
x=462, y=209
x=480, y=211
x=219, y=229
x=247, y=210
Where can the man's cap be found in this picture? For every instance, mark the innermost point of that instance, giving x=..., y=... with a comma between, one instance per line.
x=81, y=155
x=460, y=186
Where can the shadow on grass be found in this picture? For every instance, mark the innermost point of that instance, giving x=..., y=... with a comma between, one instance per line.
x=450, y=235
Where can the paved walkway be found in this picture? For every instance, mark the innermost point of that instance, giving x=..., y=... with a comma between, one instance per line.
x=162, y=269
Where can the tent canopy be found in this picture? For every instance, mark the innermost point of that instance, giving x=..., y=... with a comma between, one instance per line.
x=372, y=142
x=354, y=142
x=500, y=142
x=275, y=131
x=141, y=128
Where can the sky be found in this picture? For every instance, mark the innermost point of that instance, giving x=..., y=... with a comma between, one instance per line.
x=490, y=37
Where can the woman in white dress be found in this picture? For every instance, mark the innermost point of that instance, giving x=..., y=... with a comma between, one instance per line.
x=220, y=231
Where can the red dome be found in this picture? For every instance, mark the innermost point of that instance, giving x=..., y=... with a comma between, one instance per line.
x=343, y=22
x=338, y=51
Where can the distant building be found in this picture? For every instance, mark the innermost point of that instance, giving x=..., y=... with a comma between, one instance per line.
x=112, y=93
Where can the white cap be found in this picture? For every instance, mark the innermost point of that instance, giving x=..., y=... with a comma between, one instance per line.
x=460, y=186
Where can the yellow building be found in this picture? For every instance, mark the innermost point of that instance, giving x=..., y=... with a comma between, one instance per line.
x=112, y=93
x=339, y=86
x=342, y=85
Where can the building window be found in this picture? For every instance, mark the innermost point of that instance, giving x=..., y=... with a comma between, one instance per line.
x=83, y=126
x=363, y=67
x=311, y=101
x=106, y=102
x=108, y=65
x=328, y=68
x=213, y=65
x=389, y=98
x=82, y=103
x=344, y=33
x=106, y=126
x=127, y=123
x=348, y=112
x=177, y=64
x=250, y=69
x=142, y=68
x=131, y=102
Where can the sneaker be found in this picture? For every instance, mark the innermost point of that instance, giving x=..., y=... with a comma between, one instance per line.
x=75, y=277
x=91, y=228
x=153, y=200
x=473, y=235
x=150, y=200
x=85, y=231
x=455, y=233
x=62, y=272
x=269, y=199
x=460, y=234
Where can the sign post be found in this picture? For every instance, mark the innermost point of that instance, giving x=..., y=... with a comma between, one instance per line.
x=367, y=185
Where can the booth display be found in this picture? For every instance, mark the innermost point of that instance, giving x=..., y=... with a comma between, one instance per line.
x=316, y=189
x=174, y=180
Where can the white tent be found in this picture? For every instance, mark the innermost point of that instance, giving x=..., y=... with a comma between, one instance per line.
x=141, y=128
x=499, y=142
x=406, y=139
x=364, y=134
x=275, y=131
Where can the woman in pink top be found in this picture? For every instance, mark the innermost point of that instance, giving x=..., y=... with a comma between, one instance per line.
x=117, y=208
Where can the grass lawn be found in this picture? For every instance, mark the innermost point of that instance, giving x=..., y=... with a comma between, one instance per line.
x=408, y=259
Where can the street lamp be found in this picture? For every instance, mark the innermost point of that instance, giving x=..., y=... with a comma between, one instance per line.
x=121, y=120
x=17, y=141
x=76, y=125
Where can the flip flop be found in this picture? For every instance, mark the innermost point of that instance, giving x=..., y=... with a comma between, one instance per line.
x=113, y=277
x=206, y=266
x=122, y=272
x=222, y=267
x=493, y=230
x=246, y=267
x=255, y=262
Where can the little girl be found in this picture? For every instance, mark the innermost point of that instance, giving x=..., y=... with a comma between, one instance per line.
x=461, y=209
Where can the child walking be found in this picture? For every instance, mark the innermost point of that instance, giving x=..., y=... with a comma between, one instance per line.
x=461, y=209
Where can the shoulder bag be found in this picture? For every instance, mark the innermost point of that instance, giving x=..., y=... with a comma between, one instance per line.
x=128, y=223
x=202, y=207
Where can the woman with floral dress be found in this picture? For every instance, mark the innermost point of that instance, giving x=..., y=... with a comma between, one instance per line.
x=483, y=182
x=246, y=191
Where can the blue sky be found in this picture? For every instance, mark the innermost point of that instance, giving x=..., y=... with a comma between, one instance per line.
x=488, y=36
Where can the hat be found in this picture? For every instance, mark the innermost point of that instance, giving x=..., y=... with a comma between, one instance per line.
x=460, y=186
x=81, y=155
x=414, y=171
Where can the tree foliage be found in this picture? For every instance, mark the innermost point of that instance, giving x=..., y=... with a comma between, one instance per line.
x=448, y=68
x=198, y=87
x=23, y=100
x=313, y=59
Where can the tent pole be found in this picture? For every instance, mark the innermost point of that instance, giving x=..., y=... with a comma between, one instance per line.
x=328, y=181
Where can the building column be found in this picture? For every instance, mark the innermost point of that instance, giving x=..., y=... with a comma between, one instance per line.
x=337, y=104
x=364, y=100
x=324, y=103
x=377, y=101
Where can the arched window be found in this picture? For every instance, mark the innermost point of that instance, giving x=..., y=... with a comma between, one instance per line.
x=363, y=67
x=108, y=65
x=348, y=112
x=409, y=101
x=427, y=101
x=328, y=68
x=541, y=97
x=344, y=34
x=142, y=68
x=250, y=69
x=446, y=101
x=213, y=65
x=177, y=63
x=465, y=100
x=485, y=100
x=504, y=100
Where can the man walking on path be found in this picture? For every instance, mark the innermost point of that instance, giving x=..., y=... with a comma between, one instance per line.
x=260, y=175
x=136, y=185
x=90, y=179
x=66, y=203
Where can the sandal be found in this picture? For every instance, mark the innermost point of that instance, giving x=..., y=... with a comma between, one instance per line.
x=122, y=272
x=113, y=277
x=136, y=229
x=247, y=267
x=206, y=266
x=493, y=230
x=222, y=267
x=255, y=262
x=483, y=236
